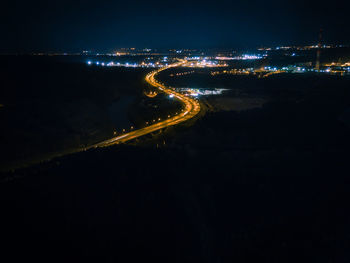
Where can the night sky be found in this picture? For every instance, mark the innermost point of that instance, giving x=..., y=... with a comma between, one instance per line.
x=104, y=25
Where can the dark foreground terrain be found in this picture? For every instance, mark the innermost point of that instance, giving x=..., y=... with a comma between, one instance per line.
x=131, y=204
x=54, y=105
x=269, y=184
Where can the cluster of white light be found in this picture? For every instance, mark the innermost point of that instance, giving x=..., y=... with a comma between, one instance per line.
x=242, y=57
x=247, y=57
x=127, y=64
x=224, y=58
x=193, y=58
x=202, y=92
x=288, y=68
x=204, y=63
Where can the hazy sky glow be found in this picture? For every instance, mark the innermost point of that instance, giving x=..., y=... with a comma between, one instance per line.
x=102, y=25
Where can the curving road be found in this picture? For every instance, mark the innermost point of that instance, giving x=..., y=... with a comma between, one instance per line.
x=191, y=109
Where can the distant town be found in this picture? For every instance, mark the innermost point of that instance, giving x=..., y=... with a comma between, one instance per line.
x=212, y=58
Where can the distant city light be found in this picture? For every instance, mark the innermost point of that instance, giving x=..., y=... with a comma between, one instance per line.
x=202, y=92
x=246, y=56
x=242, y=57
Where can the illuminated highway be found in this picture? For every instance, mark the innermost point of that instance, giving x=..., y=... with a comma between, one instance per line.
x=191, y=108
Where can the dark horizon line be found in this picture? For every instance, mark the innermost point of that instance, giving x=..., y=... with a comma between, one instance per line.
x=109, y=50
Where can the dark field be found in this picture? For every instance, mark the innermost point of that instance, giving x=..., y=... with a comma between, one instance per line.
x=56, y=105
x=266, y=183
